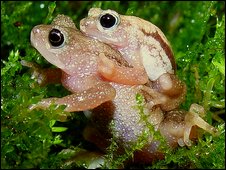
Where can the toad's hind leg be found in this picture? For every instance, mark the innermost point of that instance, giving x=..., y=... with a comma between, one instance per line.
x=80, y=101
x=192, y=118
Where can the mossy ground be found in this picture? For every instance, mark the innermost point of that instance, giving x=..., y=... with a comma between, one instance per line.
x=41, y=139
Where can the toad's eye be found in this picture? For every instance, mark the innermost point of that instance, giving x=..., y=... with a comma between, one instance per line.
x=108, y=20
x=56, y=38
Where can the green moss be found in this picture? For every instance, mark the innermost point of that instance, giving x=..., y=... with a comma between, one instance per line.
x=42, y=138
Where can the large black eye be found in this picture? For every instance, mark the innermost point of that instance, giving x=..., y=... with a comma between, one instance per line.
x=56, y=38
x=108, y=20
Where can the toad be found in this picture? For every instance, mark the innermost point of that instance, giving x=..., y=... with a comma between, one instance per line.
x=143, y=45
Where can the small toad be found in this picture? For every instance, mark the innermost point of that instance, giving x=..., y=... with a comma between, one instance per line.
x=143, y=45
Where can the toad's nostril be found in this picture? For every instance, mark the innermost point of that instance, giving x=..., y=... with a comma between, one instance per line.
x=33, y=36
x=36, y=30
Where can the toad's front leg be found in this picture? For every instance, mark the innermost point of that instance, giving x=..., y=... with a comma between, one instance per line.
x=170, y=85
x=167, y=91
x=121, y=74
x=80, y=101
x=156, y=98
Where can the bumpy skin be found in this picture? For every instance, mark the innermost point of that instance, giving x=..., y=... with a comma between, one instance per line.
x=177, y=126
x=143, y=45
x=112, y=102
x=79, y=58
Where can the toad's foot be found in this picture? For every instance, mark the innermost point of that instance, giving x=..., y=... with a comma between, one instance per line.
x=43, y=76
x=152, y=96
x=192, y=118
x=179, y=126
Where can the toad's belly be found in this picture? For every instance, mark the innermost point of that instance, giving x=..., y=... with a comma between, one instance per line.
x=123, y=113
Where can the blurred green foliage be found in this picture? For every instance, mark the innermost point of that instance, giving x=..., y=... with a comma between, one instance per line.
x=43, y=139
